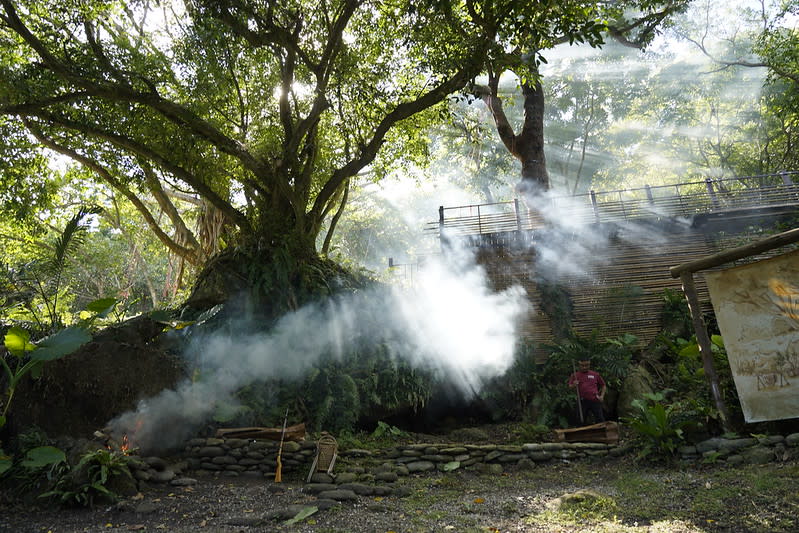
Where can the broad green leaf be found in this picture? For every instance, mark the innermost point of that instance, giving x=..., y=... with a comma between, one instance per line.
x=17, y=342
x=43, y=456
x=717, y=340
x=60, y=344
x=102, y=307
x=304, y=513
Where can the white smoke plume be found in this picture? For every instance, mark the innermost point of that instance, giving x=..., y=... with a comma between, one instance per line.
x=450, y=323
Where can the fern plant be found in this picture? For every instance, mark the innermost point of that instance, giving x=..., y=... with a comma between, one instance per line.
x=89, y=481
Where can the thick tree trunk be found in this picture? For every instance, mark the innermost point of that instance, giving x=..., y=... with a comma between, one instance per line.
x=528, y=145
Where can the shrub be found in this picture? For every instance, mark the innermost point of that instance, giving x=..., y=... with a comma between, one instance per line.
x=656, y=425
x=91, y=480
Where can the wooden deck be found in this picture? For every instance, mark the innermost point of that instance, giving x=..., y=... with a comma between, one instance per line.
x=644, y=233
x=690, y=201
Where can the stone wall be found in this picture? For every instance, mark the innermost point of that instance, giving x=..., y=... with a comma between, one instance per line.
x=255, y=458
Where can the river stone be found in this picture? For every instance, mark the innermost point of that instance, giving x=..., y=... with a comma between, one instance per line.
x=412, y=453
x=321, y=477
x=357, y=452
x=532, y=447
x=156, y=463
x=358, y=488
x=388, y=477
x=163, y=477
x=457, y=450
x=436, y=458
x=381, y=490
x=211, y=451
x=291, y=446
x=585, y=446
x=493, y=455
x=709, y=445
x=792, y=439
x=540, y=456
x=224, y=460
x=324, y=504
x=384, y=467
x=183, y=482
x=392, y=453
x=346, y=477
x=339, y=495
x=142, y=475
x=575, y=498
x=420, y=466
x=736, y=444
x=758, y=455
x=315, y=488
x=511, y=457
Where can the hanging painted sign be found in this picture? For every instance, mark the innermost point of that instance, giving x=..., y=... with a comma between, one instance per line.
x=757, y=309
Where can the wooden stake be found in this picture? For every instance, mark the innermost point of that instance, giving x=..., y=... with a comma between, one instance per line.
x=705, y=346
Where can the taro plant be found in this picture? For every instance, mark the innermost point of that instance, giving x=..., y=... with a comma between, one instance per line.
x=91, y=479
x=656, y=425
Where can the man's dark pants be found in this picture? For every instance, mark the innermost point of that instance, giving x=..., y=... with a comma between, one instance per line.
x=594, y=408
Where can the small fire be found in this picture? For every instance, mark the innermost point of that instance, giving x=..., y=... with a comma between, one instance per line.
x=124, y=447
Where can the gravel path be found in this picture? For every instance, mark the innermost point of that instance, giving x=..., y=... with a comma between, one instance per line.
x=643, y=498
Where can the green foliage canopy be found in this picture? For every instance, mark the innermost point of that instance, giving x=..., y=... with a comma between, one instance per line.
x=261, y=110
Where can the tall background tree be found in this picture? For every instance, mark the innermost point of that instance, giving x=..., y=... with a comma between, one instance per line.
x=260, y=114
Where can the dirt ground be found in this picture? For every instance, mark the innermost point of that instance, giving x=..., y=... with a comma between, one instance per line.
x=628, y=496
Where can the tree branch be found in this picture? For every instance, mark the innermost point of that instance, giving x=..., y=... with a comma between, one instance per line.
x=182, y=251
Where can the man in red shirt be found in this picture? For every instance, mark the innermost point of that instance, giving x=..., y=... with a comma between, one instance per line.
x=591, y=389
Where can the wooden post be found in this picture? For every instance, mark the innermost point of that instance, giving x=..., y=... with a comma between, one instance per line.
x=594, y=205
x=649, y=196
x=441, y=238
x=705, y=346
x=518, y=215
x=711, y=192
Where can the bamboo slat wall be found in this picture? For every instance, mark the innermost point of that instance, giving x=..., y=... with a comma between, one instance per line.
x=621, y=290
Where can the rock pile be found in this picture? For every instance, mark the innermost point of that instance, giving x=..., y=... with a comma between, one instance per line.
x=758, y=449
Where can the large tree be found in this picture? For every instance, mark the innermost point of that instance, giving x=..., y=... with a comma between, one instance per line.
x=632, y=23
x=262, y=112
